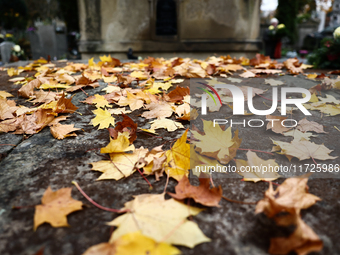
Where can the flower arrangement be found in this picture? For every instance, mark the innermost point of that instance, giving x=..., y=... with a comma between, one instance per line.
x=277, y=32
x=328, y=54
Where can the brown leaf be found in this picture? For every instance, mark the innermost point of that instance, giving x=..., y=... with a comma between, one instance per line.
x=201, y=194
x=127, y=125
x=65, y=105
x=27, y=90
x=60, y=131
x=303, y=241
x=178, y=94
x=275, y=124
x=305, y=125
x=291, y=196
x=292, y=64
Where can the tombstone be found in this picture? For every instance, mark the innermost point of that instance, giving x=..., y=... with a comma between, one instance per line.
x=166, y=18
x=48, y=40
x=6, y=50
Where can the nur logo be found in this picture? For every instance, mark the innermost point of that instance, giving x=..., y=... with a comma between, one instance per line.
x=238, y=99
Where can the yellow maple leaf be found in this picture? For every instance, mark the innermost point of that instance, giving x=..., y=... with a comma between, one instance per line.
x=132, y=243
x=120, y=165
x=121, y=144
x=170, y=125
x=103, y=118
x=140, y=75
x=178, y=158
x=155, y=218
x=55, y=207
x=215, y=143
x=154, y=89
x=257, y=169
x=100, y=101
x=130, y=100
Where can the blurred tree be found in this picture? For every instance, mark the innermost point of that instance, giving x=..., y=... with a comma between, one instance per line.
x=13, y=14
x=286, y=13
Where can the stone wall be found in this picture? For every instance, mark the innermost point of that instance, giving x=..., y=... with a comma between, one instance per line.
x=114, y=26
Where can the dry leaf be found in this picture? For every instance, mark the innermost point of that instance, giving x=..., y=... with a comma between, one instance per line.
x=273, y=82
x=275, y=124
x=305, y=125
x=155, y=218
x=201, y=194
x=216, y=143
x=178, y=158
x=132, y=243
x=103, y=118
x=60, y=131
x=127, y=125
x=119, y=145
x=257, y=169
x=159, y=110
x=55, y=206
x=169, y=125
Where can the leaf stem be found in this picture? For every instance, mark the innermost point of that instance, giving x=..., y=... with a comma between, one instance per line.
x=95, y=204
x=144, y=178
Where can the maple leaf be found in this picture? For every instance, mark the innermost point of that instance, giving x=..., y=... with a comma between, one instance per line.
x=170, y=125
x=65, y=105
x=247, y=74
x=6, y=110
x=60, y=131
x=260, y=169
x=121, y=144
x=298, y=135
x=217, y=143
x=178, y=94
x=120, y=165
x=276, y=124
x=291, y=64
x=303, y=241
x=155, y=218
x=306, y=125
x=153, y=162
x=201, y=194
x=159, y=110
x=55, y=206
x=130, y=100
x=273, y=82
x=132, y=243
x=27, y=90
x=118, y=111
x=101, y=102
x=291, y=196
x=178, y=158
x=303, y=150
x=103, y=118
x=127, y=125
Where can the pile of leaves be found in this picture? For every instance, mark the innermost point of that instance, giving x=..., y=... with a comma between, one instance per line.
x=152, y=85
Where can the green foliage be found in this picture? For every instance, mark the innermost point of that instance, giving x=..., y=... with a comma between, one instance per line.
x=327, y=56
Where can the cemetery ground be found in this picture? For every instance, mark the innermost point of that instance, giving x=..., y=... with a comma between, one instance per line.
x=30, y=163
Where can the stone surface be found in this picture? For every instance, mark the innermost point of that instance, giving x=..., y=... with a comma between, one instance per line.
x=41, y=161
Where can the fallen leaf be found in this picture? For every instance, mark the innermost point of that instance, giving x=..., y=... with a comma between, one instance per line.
x=130, y=100
x=303, y=241
x=120, y=165
x=101, y=102
x=27, y=90
x=159, y=110
x=257, y=169
x=103, y=118
x=201, y=194
x=147, y=213
x=55, y=206
x=169, y=125
x=273, y=82
x=216, y=143
x=178, y=158
x=304, y=150
x=5, y=94
x=127, y=125
x=275, y=124
x=60, y=131
x=132, y=243
x=119, y=145
x=298, y=135
x=305, y=125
